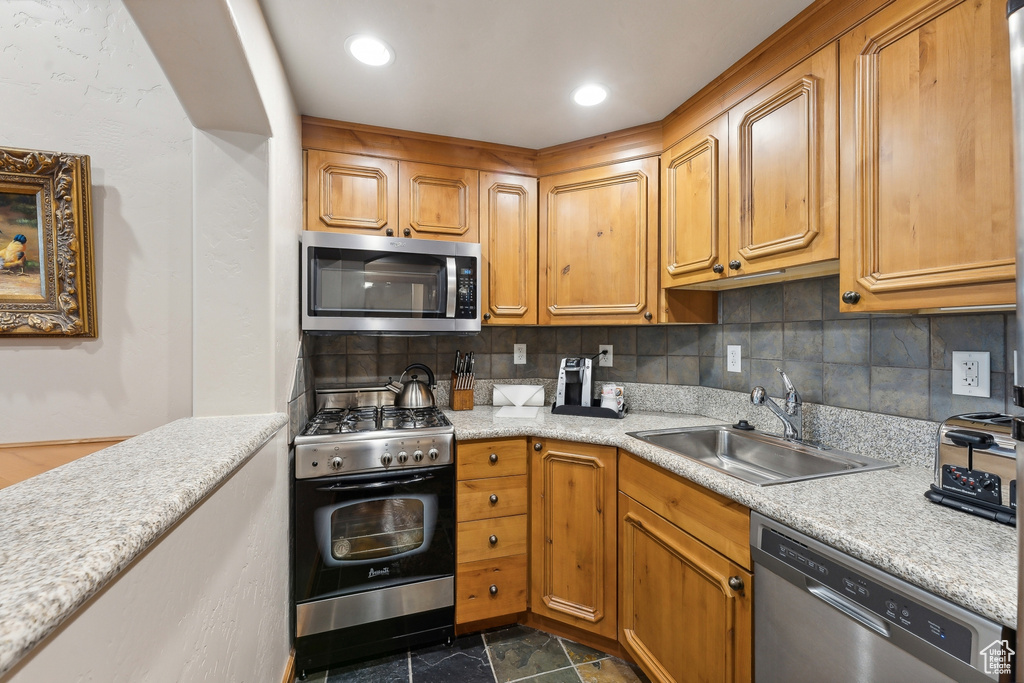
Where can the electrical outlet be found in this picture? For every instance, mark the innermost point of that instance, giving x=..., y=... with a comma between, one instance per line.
x=971, y=376
x=605, y=359
x=733, y=357
x=519, y=354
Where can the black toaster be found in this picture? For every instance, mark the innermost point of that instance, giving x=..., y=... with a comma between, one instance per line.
x=976, y=466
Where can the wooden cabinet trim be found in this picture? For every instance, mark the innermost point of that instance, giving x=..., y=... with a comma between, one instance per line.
x=353, y=221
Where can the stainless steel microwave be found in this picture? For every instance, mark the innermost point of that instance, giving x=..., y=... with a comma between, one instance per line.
x=365, y=284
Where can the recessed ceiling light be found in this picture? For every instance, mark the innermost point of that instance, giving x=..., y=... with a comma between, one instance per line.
x=589, y=95
x=370, y=50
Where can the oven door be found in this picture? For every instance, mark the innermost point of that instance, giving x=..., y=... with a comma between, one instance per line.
x=372, y=531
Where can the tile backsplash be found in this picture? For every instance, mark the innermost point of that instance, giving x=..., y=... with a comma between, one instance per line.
x=891, y=364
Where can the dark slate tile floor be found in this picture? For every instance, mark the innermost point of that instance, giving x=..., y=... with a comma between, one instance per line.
x=512, y=654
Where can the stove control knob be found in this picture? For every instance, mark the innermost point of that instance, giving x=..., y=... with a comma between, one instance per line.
x=432, y=454
x=336, y=463
x=386, y=458
x=403, y=457
x=417, y=456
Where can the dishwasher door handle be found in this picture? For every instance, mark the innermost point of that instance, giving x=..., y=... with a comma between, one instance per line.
x=850, y=609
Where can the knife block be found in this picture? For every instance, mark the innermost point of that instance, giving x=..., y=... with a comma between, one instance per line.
x=461, y=399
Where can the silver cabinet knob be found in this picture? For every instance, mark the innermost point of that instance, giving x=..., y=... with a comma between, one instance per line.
x=494, y=499
x=538, y=447
x=736, y=583
x=494, y=458
x=493, y=589
x=493, y=540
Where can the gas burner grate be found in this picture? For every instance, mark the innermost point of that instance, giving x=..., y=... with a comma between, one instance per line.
x=342, y=421
x=412, y=418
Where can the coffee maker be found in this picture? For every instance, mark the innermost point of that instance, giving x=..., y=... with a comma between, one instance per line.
x=574, y=383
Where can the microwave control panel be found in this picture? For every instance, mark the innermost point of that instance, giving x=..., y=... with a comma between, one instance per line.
x=465, y=288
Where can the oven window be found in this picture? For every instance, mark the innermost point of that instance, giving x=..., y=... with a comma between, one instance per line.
x=365, y=283
x=376, y=528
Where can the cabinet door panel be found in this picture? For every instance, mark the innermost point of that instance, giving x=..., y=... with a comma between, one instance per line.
x=594, y=240
x=350, y=193
x=926, y=124
x=439, y=202
x=573, y=535
x=508, y=232
x=695, y=208
x=679, y=618
x=783, y=158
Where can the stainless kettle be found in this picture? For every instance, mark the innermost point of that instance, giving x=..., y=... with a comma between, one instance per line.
x=416, y=394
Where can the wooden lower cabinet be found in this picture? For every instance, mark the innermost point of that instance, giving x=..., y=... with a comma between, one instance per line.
x=680, y=617
x=491, y=539
x=572, y=540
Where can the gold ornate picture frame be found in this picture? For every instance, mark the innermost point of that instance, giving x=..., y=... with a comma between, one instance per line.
x=47, y=284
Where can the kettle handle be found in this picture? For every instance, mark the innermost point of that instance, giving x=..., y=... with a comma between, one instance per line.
x=430, y=373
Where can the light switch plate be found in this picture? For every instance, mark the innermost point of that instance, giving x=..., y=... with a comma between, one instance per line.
x=733, y=358
x=605, y=359
x=971, y=373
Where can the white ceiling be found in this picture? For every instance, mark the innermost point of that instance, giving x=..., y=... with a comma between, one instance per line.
x=503, y=70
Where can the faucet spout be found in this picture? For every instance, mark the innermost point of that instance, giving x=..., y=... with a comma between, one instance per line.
x=792, y=413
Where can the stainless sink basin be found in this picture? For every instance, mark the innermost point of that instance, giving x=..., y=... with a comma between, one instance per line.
x=756, y=457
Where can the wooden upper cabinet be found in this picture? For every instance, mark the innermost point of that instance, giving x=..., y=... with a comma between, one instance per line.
x=349, y=193
x=695, y=206
x=783, y=206
x=508, y=236
x=438, y=202
x=572, y=539
x=927, y=178
x=598, y=230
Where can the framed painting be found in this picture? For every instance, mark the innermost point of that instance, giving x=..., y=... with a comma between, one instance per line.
x=47, y=285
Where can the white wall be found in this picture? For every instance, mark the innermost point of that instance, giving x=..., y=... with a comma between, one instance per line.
x=207, y=602
x=79, y=78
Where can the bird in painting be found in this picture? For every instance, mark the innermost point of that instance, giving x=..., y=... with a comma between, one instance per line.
x=13, y=255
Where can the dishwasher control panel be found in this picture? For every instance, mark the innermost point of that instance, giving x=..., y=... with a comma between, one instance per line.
x=885, y=603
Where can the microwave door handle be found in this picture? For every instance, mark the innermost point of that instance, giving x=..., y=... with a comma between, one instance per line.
x=450, y=312
x=374, y=485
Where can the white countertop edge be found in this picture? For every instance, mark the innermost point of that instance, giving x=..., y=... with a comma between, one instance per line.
x=71, y=530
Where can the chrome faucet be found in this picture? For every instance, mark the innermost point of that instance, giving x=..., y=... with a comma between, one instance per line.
x=791, y=416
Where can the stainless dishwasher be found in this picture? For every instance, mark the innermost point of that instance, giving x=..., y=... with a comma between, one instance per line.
x=821, y=615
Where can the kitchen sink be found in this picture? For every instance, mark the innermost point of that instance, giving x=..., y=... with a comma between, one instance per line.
x=756, y=457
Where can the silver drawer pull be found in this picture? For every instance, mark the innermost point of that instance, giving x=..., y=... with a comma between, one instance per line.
x=494, y=589
x=494, y=499
x=493, y=540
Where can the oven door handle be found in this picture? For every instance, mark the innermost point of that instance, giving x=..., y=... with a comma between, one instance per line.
x=376, y=484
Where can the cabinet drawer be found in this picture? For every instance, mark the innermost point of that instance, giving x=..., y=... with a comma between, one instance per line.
x=474, y=498
x=473, y=582
x=474, y=538
x=713, y=519
x=501, y=458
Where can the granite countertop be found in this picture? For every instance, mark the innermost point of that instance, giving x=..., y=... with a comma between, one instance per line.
x=880, y=517
x=69, y=531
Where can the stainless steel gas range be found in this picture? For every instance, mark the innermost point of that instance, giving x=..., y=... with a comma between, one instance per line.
x=374, y=528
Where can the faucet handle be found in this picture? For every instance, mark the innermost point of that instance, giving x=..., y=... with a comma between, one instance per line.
x=758, y=395
x=792, y=394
